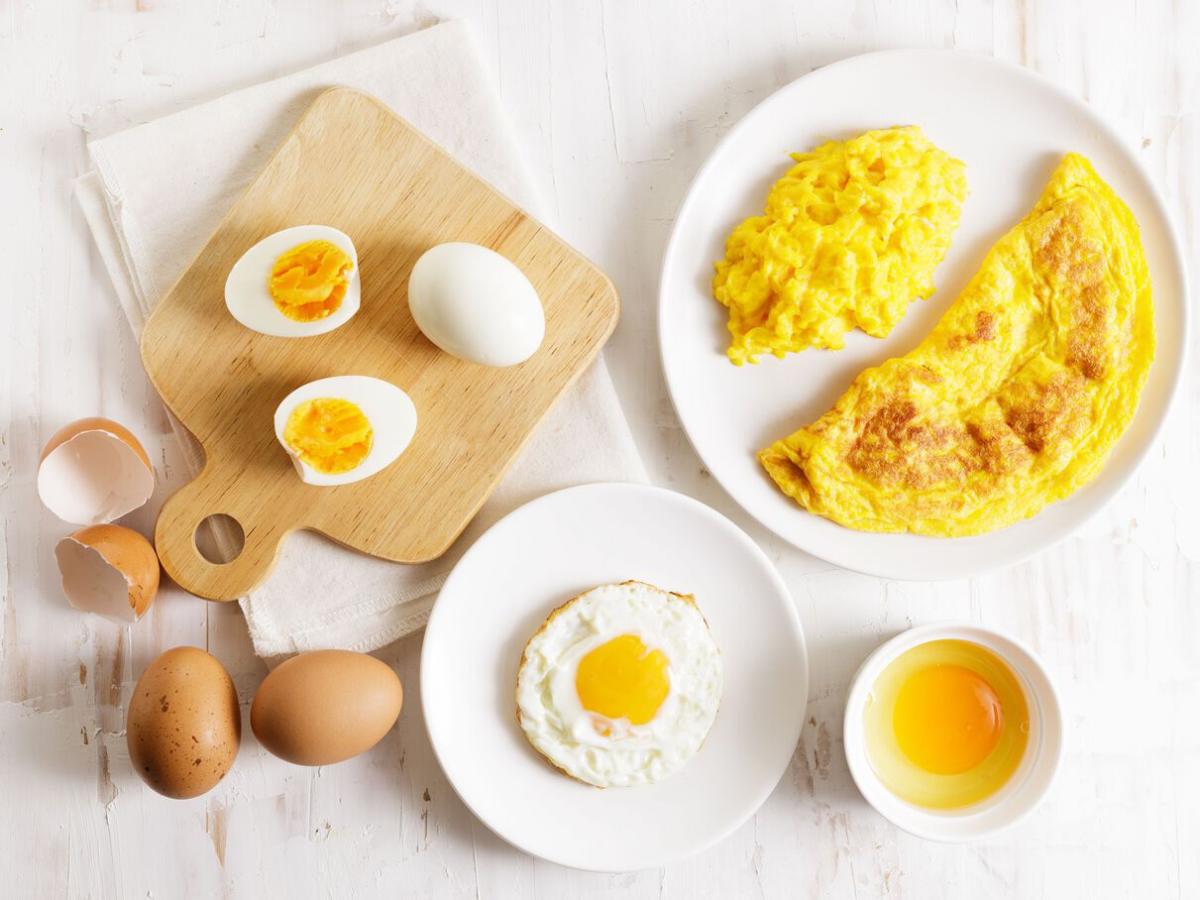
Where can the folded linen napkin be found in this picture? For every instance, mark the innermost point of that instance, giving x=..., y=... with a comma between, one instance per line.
x=160, y=189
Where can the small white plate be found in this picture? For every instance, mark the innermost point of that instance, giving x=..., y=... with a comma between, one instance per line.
x=1027, y=786
x=542, y=555
x=1011, y=127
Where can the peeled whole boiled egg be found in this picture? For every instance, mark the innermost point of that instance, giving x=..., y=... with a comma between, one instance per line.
x=93, y=471
x=298, y=282
x=343, y=429
x=109, y=570
x=476, y=304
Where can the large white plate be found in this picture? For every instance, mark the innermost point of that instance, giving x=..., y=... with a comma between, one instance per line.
x=542, y=555
x=1011, y=127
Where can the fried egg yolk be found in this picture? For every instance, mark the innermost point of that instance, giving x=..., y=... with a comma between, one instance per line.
x=623, y=679
x=309, y=281
x=947, y=719
x=329, y=434
x=946, y=724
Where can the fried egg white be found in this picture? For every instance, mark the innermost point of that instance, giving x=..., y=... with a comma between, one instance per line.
x=620, y=685
x=849, y=237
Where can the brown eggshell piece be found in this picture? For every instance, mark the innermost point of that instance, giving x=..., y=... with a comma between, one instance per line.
x=109, y=570
x=326, y=706
x=184, y=723
x=93, y=471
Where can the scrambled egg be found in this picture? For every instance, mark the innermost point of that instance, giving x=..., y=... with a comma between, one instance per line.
x=1016, y=397
x=850, y=236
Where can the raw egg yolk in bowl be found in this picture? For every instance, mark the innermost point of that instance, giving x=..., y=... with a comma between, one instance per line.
x=329, y=434
x=309, y=281
x=946, y=724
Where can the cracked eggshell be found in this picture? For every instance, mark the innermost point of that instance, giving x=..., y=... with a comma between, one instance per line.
x=109, y=570
x=93, y=471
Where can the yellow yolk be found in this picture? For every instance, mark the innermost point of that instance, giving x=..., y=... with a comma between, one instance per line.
x=947, y=719
x=329, y=434
x=622, y=679
x=309, y=281
x=946, y=724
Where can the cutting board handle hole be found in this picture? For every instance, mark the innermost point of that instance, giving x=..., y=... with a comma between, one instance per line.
x=220, y=538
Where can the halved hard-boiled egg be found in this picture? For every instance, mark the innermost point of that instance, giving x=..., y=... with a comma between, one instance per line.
x=342, y=429
x=109, y=570
x=93, y=471
x=298, y=282
x=620, y=685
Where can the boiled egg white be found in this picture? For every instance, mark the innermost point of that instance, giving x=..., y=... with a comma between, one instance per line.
x=343, y=429
x=620, y=685
x=476, y=304
x=298, y=282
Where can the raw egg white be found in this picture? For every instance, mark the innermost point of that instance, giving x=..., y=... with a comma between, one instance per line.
x=318, y=284
x=620, y=685
x=343, y=429
x=946, y=724
x=475, y=304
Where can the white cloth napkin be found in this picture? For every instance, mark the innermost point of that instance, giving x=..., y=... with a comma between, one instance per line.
x=160, y=189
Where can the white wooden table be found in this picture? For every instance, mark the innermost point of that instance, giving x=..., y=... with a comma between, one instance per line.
x=616, y=104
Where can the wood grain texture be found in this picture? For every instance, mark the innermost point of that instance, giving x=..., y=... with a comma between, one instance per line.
x=615, y=105
x=353, y=164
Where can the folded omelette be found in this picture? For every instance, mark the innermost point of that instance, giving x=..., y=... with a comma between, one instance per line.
x=1016, y=397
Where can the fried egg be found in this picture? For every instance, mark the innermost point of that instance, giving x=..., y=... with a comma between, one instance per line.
x=946, y=724
x=850, y=236
x=298, y=282
x=343, y=429
x=620, y=685
x=1016, y=397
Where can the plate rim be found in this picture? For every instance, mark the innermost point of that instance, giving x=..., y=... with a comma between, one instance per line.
x=791, y=612
x=862, y=563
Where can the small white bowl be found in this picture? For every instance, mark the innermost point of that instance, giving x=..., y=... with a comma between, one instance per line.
x=1023, y=791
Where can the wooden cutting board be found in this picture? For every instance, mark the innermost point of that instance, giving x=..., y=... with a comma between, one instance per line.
x=353, y=164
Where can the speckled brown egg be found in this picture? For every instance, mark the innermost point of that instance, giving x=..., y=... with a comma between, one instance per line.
x=323, y=707
x=184, y=723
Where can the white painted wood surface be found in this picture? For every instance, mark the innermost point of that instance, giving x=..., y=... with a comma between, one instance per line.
x=616, y=103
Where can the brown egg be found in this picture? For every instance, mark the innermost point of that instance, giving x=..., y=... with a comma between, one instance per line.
x=184, y=723
x=326, y=706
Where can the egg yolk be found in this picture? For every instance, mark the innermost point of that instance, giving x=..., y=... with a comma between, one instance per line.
x=947, y=719
x=623, y=679
x=309, y=281
x=329, y=434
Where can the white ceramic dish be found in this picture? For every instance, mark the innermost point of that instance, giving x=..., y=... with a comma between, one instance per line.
x=1028, y=784
x=537, y=558
x=1011, y=127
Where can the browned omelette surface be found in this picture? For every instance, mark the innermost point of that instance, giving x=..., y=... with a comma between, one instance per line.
x=1016, y=397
